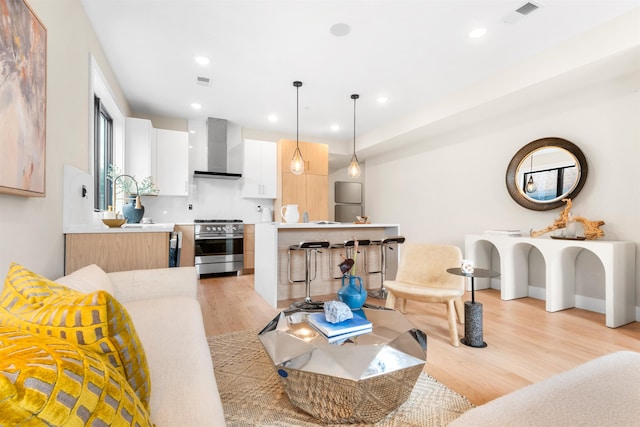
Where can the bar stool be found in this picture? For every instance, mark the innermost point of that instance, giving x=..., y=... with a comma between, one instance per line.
x=309, y=248
x=385, y=244
x=348, y=247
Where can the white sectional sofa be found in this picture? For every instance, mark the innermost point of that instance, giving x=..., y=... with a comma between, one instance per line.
x=166, y=314
x=602, y=392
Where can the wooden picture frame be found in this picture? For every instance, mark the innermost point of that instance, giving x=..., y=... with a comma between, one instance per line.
x=23, y=100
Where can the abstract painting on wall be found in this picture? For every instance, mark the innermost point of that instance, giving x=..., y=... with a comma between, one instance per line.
x=23, y=100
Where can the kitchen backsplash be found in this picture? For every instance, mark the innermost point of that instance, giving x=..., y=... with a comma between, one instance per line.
x=209, y=198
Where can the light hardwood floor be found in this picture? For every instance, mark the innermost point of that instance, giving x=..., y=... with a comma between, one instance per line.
x=525, y=343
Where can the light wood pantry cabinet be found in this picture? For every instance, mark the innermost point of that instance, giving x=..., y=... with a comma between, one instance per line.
x=310, y=191
x=249, y=248
x=315, y=156
x=187, y=252
x=318, y=197
x=116, y=251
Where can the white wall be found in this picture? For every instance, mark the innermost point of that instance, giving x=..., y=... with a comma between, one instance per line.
x=454, y=183
x=31, y=228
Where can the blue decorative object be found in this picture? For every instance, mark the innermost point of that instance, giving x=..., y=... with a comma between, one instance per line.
x=283, y=373
x=352, y=292
x=130, y=212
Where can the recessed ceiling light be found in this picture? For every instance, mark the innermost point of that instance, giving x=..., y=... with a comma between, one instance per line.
x=202, y=60
x=340, y=29
x=382, y=99
x=196, y=106
x=477, y=33
x=273, y=118
x=335, y=127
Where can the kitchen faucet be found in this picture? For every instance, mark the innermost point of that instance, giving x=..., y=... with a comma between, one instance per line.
x=138, y=205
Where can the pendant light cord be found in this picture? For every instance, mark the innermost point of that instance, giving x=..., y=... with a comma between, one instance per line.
x=354, y=123
x=355, y=96
x=297, y=84
x=297, y=114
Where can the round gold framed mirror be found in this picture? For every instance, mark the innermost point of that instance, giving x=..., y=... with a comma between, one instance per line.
x=544, y=172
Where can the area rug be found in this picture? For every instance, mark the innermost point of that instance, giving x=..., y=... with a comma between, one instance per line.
x=251, y=393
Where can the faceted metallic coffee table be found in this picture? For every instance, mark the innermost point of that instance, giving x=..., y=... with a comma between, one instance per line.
x=361, y=380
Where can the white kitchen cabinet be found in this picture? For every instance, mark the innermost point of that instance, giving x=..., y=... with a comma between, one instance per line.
x=139, y=148
x=172, y=162
x=259, y=170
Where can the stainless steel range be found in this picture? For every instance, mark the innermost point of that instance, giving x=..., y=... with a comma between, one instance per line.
x=219, y=246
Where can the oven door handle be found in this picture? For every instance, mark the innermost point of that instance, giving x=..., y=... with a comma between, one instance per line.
x=205, y=237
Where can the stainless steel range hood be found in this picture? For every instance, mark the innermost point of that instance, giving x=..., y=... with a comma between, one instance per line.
x=216, y=152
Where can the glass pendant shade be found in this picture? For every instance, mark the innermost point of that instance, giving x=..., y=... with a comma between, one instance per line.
x=354, y=167
x=531, y=186
x=297, y=164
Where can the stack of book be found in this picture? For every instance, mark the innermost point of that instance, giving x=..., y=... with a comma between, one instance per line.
x=337, y=332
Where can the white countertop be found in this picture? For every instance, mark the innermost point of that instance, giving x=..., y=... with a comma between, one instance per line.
x=332, y=225
x=127, y=228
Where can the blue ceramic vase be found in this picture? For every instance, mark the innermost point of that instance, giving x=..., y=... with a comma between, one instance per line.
x=352, y=292
x=130, y=212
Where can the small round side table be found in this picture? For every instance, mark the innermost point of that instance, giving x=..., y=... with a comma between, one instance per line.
x=473, y=309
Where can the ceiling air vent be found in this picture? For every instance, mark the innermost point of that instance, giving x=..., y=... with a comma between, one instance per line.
x=520, y=13
x=526, y=8
x=203, y=81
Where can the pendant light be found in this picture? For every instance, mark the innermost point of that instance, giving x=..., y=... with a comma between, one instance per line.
x=297, y=163
x=354, y=166
x=531, y=186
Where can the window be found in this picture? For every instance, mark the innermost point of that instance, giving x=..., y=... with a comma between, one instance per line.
x=103, y=155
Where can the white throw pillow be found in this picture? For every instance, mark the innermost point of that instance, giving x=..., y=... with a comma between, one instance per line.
x=88, y=279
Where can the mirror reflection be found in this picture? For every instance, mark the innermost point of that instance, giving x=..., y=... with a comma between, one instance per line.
x=544, y=172
x=548, y=174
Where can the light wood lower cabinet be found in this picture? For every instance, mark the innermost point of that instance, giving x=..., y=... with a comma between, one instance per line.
x=187, y=253
x=249, y=248
x=116, y=251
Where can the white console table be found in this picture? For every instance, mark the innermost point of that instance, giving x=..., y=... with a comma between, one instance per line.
x=617, y=257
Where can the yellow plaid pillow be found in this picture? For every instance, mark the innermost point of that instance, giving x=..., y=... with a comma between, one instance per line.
x=56, y=383
x=95, y=321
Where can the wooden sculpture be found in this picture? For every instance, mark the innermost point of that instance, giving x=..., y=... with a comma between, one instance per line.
x=591, y=228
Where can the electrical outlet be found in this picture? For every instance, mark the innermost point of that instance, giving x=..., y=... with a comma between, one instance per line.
x=190, y=207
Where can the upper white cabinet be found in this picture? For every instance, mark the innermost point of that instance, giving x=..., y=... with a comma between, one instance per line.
x=259, y=170
x=172, y=162
x=139, y=148
x=158, y=153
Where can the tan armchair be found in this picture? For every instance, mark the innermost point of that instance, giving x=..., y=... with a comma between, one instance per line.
x=422, y=276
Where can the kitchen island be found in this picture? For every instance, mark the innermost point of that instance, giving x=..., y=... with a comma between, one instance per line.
x=272, y=241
